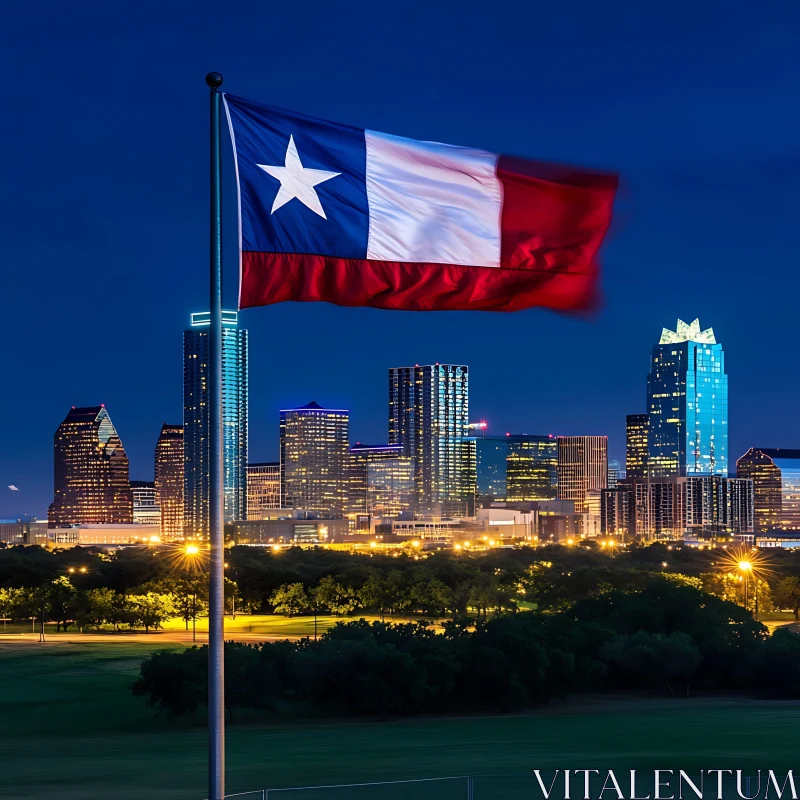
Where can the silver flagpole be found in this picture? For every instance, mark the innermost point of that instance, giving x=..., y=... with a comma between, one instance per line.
x=216, y=624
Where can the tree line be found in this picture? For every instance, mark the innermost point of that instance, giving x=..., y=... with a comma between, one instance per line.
x=294, y=581
x=662, y=636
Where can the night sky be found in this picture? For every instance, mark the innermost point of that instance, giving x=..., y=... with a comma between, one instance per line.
x=105, y=204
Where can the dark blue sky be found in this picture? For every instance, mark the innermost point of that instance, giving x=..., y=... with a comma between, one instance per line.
x=103, y=214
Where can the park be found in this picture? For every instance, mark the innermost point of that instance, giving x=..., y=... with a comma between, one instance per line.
x=641, y=636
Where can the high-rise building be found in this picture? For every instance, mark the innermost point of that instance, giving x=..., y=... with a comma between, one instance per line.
x=636, y=428
x=381, y=481
x=169, y=469
x=700, y=505
x=315, y=460
x=531, y=467
x=775, y=472
x=582, y=469
x=429, y=417
x=613, y=474
x=146, y=510
x=687, y=404
x=617, y=512
x=196, y=367
x=91, y=478
x=263, y=489
x=491, y=453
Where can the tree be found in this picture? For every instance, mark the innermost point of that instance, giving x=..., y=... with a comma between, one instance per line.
x=175, y=683
x=653, y=657
x=290, y=599
x=93, y=608
x=150, y=610
x=339, y=599
x=376, y=592
x=60, y=597
x=787, y=594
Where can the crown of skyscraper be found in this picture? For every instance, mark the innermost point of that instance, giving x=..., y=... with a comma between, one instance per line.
x=688, y=333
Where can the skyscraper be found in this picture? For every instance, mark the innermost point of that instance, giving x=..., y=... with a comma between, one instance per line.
x=315, y=460
x=146, y=510
x=428, y=416
x=636, y=428
x=582, y=471
x=687, y=403
x=381, y=481
x=169, y=469
x=531, y=467
x=263, y=489
x=196, y=360
x=491, y=454
x=775, y=472
x=91, y=478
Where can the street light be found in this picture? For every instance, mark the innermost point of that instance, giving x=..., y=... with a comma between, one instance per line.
x=745, y=567
x=192, y=551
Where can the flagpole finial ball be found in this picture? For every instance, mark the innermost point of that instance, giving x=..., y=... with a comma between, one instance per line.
x=214, y=80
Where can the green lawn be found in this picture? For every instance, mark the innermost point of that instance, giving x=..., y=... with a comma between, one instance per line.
x=71, y=730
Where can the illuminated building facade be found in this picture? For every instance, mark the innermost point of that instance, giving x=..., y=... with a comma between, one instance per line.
x=429, y=417
x=146, y=510
x=582, y=469
x=169, y=466
x=687, y=403
x=381, y=481
x=698, y=506
x=636, y=430
x=315, y=460
x=91, y=478
x=263, y=489
x=775, y=473
x=196, y=366
x=531, y=468
x=617, y=512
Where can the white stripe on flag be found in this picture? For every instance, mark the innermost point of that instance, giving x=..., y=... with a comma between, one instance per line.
x=432, y=203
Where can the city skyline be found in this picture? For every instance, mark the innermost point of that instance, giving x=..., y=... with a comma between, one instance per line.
x=705, y=145
x=615, y=444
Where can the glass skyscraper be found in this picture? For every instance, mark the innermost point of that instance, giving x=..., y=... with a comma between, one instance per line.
x=687, y=404
x=196, y=356
x=429, y=417
x=381, y=481
x=636, y=433
x=315, y=460
x=491, y=453
x=169, y=465
x=775, y=472
x=91, y=477
x=531, y=468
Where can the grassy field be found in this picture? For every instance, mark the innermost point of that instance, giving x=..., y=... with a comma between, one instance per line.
x=70, y=729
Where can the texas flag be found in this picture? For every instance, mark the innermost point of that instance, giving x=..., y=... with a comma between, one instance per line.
x=360, y=218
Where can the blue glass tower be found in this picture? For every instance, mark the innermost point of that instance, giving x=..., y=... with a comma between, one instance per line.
x=687, y=404
x=195, y=421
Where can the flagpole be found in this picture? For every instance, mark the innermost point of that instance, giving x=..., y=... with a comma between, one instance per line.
x=216, y=631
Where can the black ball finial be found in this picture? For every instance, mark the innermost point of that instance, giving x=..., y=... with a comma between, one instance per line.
x=214, y=80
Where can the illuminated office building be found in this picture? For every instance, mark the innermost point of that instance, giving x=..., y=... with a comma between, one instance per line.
x=196, y=367
x=613, y=474
x=146, y=510
x=315, y=460
x=775, y=473
x=429, y=417
x=263, y=489
x=169, y=467
x=91, y=478
x=636, y=430
x=381, y=481
x=531, y=467
x=582, y=471
x=687, y=404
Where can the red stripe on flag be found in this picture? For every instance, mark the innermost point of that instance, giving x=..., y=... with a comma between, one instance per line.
x=278, y=277
x=554, y=218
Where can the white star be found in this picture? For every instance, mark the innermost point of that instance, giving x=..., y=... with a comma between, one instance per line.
x=297, y=181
